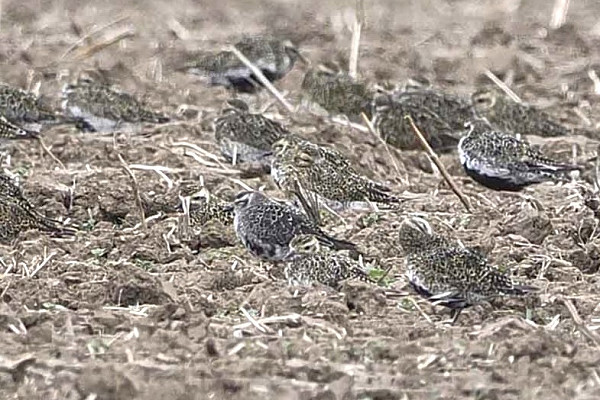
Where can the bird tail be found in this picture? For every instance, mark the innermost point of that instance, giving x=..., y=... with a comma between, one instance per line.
x=155, y=117
x=80, y=123
x=19, y=132
x=337, y=244
x=381, y=194
x=552, y=166
x=521, y=290
x=27, y=134
x=62, y=232
x=54, y=228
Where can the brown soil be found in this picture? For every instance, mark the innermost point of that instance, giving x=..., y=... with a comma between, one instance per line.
x=126, y=312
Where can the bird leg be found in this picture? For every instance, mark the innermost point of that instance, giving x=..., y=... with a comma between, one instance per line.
x=455, y=313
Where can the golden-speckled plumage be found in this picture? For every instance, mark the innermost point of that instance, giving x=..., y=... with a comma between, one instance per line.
x=249, y=136
x=311, y=263
x=18, y=215
x=324, y=172
x=439, y=116
x=338, y=93
x=506, y=115
x=211, y=209
x=448, y=274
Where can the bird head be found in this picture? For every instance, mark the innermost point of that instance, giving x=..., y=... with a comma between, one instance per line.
x=305, y=244
x=314, y=78
x=414, y=232
x=280, y=147
x=477, y=125
x=382, y=102
x=484, y=100
x=237, y=105
x=247, y=199
x=293, y=52
x=283, y=146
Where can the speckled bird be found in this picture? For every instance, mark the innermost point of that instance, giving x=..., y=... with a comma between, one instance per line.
x=450, y=275
x=266, y=227
x=326, y=173
x=19, y=106
x=439, y=116
x=273, y=57
x=506, y=115
x=14, y=218
x=28, y=112
x=105, y=107
x=311, y=263
x=11, y=131
x=500, y=161
x=17, y=214
x=338, y=93
x=211, y=209
x=8, y=188
x=415, y=235
x=244, y=136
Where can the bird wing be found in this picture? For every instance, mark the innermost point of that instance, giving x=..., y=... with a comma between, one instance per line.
x=537, y=161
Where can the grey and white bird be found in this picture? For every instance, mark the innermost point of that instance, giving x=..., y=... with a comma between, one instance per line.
x=272, y=56
x=451, y=275
x=500, y=161
x=106, y=108
x=244, y=136
x=266, y=227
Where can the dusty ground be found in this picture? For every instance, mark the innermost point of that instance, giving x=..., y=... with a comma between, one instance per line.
x=126, y=312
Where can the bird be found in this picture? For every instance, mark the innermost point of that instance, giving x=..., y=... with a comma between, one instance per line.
x=211, y=209
x=311, y=263
x=439, y=116
x=16, y=218
x=415, y=235
x=17, y=105
x=326, y=173
x=338, y=93
x=266, y=227
x=500, y=161
x=105, y=107
x=448, y=274
x=10, y=190
x=29, y=112
x=11, y=131
x=244, y=136
x=272, y=56
x=506, y=115
x=17, y=214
